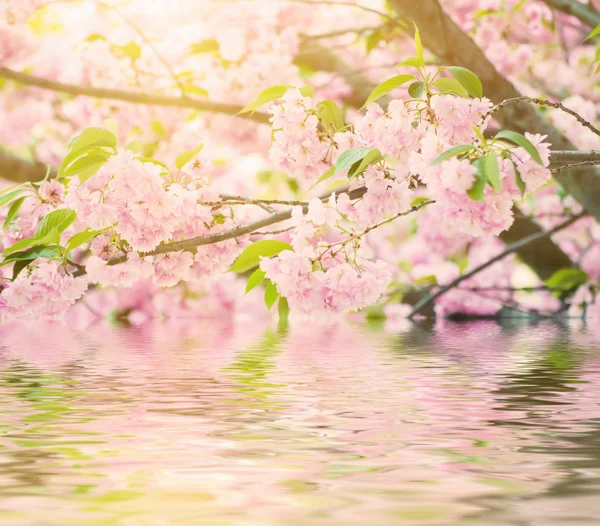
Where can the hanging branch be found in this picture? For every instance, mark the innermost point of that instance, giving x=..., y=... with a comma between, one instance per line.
x=509, y=250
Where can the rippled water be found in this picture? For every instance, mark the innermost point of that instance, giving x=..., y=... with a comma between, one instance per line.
x=220, y=424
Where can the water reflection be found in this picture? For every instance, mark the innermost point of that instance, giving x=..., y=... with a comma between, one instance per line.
x=244, y=424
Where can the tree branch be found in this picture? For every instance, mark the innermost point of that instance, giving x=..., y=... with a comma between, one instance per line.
x=586, y=13
x=452, y=46
x=509, y=250
x=131, y=96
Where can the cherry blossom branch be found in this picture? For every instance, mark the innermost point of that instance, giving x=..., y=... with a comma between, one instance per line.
x=543, y=102
x=412, y=209
x=241, y=230
x=586, y=13
x=131, y=96
x=420, y=305
x=575, y=165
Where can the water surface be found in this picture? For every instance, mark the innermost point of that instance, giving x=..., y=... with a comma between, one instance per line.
x=215, y=423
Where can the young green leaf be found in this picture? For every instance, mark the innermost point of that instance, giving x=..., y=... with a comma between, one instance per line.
x=60, y=219
x=419, y=46
x=595, y=32
x=205, y=46
x=416, y=89
x=255, y=279
x=448, y=85
x=93, y=137
x=360, y=166
x=271, y=295
x=468, y=80
x=415, y=62
x=452, y=152
x=489, y=165
x=12, y=212
x=268, y=95
x=330, y=115
x=195, y=90
x=93, y=160
x=477, y=191
x=385, y=87
x=328, y=174
x=82, y=237
x=307, y=91
x=566, y=279
x=7, y=198
x=251, y=255
x=32, y=253
x=519, y=181
x=186, y=157
x=523, y=142
x=50, y=238
x=348, y=158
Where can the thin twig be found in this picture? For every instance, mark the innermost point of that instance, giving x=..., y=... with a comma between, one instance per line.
x=541, y=102
x=148, y=42
x=344, y=4
x=509, y=250
x=575, y=165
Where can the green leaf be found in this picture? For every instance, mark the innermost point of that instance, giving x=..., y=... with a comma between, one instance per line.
x=93, y=137
x=130, y=50
x=251, y=255
x=51, y=238
x=283, y=308
x=448, y=85
x=20, y=265
x=206, y=46
x=307, y=91
x=329, y=173
x=489, y=165
x=330, y=115
x=159, y=128
x=415, y=62
x=255, y=279
x=419, y=46
x=468, y=80
x=60, y=219
x=373, y=40
x=452, y=152
x=595, y=32
x=153, y=161
x=385, y=87
x=32, y=253
x=268, y=95
x=348, y=158
x=186, y=157
x=271, y=295
x=12, y=212
x=523, y=142
x=360, y=166
x=566, y=279
x=93, y=160
x=520, y=183
x=477, y=191
x=112, y=126
x=416, y=89
x=82, y=237
x=195, y=90
x=6, y=198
